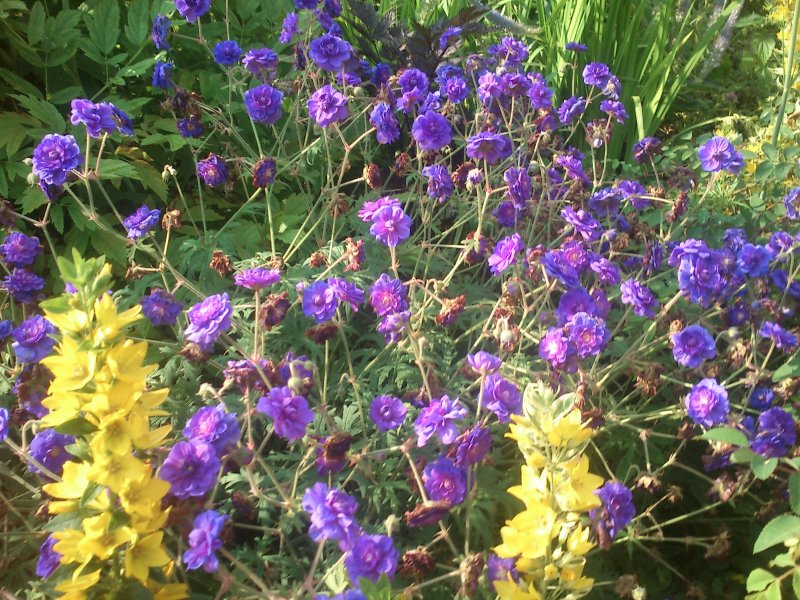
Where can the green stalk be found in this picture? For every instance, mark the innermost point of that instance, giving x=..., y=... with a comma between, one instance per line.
x=787, y=80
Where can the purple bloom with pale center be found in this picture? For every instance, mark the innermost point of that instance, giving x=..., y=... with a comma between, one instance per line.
x=444, y=481
x=692, y=345
x=160, y=307
x=347, y=292
x=390, y=225
x=761, y=397
x=213, y=425
x=332, y=514
x=204, y=541
x=707, y=403
x=791, y=202
x=212, y=170
x=753, y=260
x=208, y=320
x=615, y=109
x=505, y=253
x=775, y=435
x=54, y=157
x=261, y=62
x=320, y=301
x=162, y=74
x=484, y=363
x=491, y=147
x=227, y=53
x=387, y=412
x=501, y=397
x=596, y=74
x=327, y=105
x=20, y=250
x=289, y=411
x=257, y=278
x=190, y=468
x=191, y=10
x=388, y=295
x=588, y=333
x=263, y=104
x=501, y=569
x=49, y=449
x=646, y=148
x=369, y=208
x=370, y=557
x=555, y=348
x=431, y=131
x=640, y=297
x=393, y=325
x=330, y=52
x=439, y=418
x=141, y=222
x=33, y=339
x=718, y=154
x=583, y=223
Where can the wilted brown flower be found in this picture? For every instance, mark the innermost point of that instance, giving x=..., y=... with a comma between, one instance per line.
x=221, y=263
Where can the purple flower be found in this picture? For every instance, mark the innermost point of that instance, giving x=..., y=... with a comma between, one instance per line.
x=587, y=333
x=431, y=131
x=507, y=214
x=305, y=4
x=208, y=319
x=263, y=104
x=20, y=250
x=783, y=339
x=393, y=325
x=213, y=425
x=574, y=301
x=491, y=147
x=484, y=363
x=370, y=557
x=4, y=417
x=472, y=446
x=158, y=34
x=556, y=349
x=160, y=307
x=634, y=192
x=707, y=403
x=456, y=89
x=439, y=418
x=617, y=508
x=162, y=75
x=49, y=449
x=390, y=225
x=261, y=62
x=615, y=109
x=332, y=514
x=264, y=172
x=596, y=74
x=141, y=222
x=190, y=127
x=387, y=129
x=505, y=253
x=288, y=28
x=605, y=202
x=191, y=469
x=519, y=184
x=347, y=292
x=444, y=481
x=327, y=105
x=440, y=184
x=289, y=411
x=699, y=275
x=692, y=345
x=645, y=149
x=387, y=295
x=54, y=157
x=571, y=109
x=557, y=266
x=204, y=541
x=753, y=260
x=792, y=203
x=98, y=118
x=387, y=412
x=49, y=559
x=33, y=339
x=191, y=10
x=511, y=51
x=257, y=278
x=320, y=301
x=6, y=327
x=23, y=286
x=369, y=208
x=640, y=297
x=329, y=52
x=501, y=396
x=501, y=569
x=761, y=397
x=583, y=222
x=775, y=435
x=718, y=154
x=574, y=47
x=449, y=34
x=212, y=170
x=227, y=53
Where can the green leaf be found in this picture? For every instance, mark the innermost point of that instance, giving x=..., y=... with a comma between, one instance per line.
x=89, y=494
x=788, y=369
x=111, y=168
x=770, y=151
x=43, y=111
x=138, y=21
x=763, y=467
x=103, y=25
x=36, y=24
x=57, y=217
x=794, y=493
x=151, y=179
x=32, y=198
x=728, y=435
x=796, y=583
x=76, y=426
x=380, y=590
x=759, y=579
x=778, y=530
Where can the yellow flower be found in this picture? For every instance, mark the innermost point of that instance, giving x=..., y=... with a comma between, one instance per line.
x=125, y=361
x=529, y=533
x=579, y=495
x=571, y=578
x=109, y=322
x=99, y=540
x=72, y=368
x=70, y=489
x=76, y=587
x=146, y=525
x=568, y=430
x=68, y=545
x=63, y=407
x=578, y=541
x=168, y=591
x=114, y=435
x=145, y=553
x=114, y=470
x=72, y=321
x=533, y=486
x=508, y=590
x=143, y=496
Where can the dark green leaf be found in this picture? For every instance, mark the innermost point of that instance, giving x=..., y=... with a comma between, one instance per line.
x=43, y=111
x=76, y=426
x=763, y=467
x=778, y=530
x=138, y=21
x=36, y=24
x=103, y=25
x=788, y=369
x=728, y=435
x=794, y=492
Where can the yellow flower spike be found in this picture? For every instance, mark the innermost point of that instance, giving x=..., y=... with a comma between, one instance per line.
x=73, y=321
x=115, y=434
x=533, y=486
x=144, y=553
x=529, y=533
x=99, y=540
x=76, y=587
x=578, y=541
x=112, y=397
x=579, y=495
x=114, y=470
x=509, y=590
x=72, y=368
x=150, y=400
x=142, y=497
x=125, y=361
x=569, y=430
x=109, y=321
